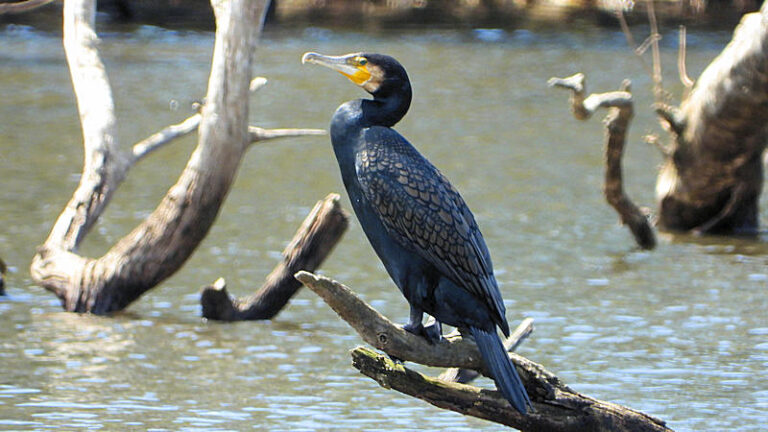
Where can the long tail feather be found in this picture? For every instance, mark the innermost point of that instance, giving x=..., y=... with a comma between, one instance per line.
x=500, y=366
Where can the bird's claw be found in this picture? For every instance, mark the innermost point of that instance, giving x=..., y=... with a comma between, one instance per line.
x=432, y=333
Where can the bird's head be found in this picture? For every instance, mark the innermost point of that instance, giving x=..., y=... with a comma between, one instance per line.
x=378, y=74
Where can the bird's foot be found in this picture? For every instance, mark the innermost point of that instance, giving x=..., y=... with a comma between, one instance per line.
x=432, y=333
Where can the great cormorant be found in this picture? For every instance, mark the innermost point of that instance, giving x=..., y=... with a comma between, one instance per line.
x=416, y=221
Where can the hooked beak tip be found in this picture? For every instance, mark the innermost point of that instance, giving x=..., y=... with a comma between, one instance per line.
x=309, y=57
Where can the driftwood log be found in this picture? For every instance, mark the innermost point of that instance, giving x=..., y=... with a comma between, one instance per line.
x=557, y=407
x=712, y=174
x=163, y=242
x=311, y=244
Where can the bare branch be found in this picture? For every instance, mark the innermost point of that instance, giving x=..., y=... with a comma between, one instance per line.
x=583, y=108
x=663, y=147
x=387, y=336
x=643, y=47
x=655, y=37
x=160, y=245
x=620, y=113
x=258, y=134
x=631, y=40
x=159, y=139
x=22, y=6
x=684, y=78
x=2, y=274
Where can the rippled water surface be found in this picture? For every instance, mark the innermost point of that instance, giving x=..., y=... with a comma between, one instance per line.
x=680, y=332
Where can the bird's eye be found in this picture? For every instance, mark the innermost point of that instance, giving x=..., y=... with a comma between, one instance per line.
x=362, y=61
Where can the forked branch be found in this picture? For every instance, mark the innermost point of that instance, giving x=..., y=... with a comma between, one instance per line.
x=163, y=242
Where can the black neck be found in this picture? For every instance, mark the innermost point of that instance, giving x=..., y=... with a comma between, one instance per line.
x=388, y=106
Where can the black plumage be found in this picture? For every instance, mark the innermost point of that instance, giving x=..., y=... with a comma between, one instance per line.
x=416, y=221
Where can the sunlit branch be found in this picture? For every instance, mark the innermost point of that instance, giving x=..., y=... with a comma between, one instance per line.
x=159, y=139
x=22, y=6
x=684, y=78
x=620, y=113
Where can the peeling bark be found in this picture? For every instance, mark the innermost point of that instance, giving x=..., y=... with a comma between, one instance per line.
x=161, y=244
x=311, y=244
x=557, y=407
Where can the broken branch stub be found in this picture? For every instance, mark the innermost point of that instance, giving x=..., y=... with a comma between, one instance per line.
x=312, y=243
x=620, y=112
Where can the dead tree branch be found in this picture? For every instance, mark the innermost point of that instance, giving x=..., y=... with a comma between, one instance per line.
x=557, y=407
x=172, y=132
x=311, y=244
x=681, y=53
x=617, y=122
x=163, y=242
x=146, y=146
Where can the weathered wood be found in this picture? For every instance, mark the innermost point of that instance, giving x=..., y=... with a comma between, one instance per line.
x=557, y=407
x=617, y=122
x=164, y=241
x=387, y=336
x=312, y=243
x=712, y=180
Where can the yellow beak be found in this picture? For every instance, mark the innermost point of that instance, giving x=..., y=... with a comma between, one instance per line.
x=347, y=65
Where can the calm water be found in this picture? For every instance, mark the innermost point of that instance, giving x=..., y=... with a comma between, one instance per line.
x=680, y=332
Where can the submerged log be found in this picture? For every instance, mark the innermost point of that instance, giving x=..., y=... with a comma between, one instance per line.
x=311, y=244
x=557, y=407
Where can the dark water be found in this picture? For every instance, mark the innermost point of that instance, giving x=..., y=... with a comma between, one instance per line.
x=680, y=332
